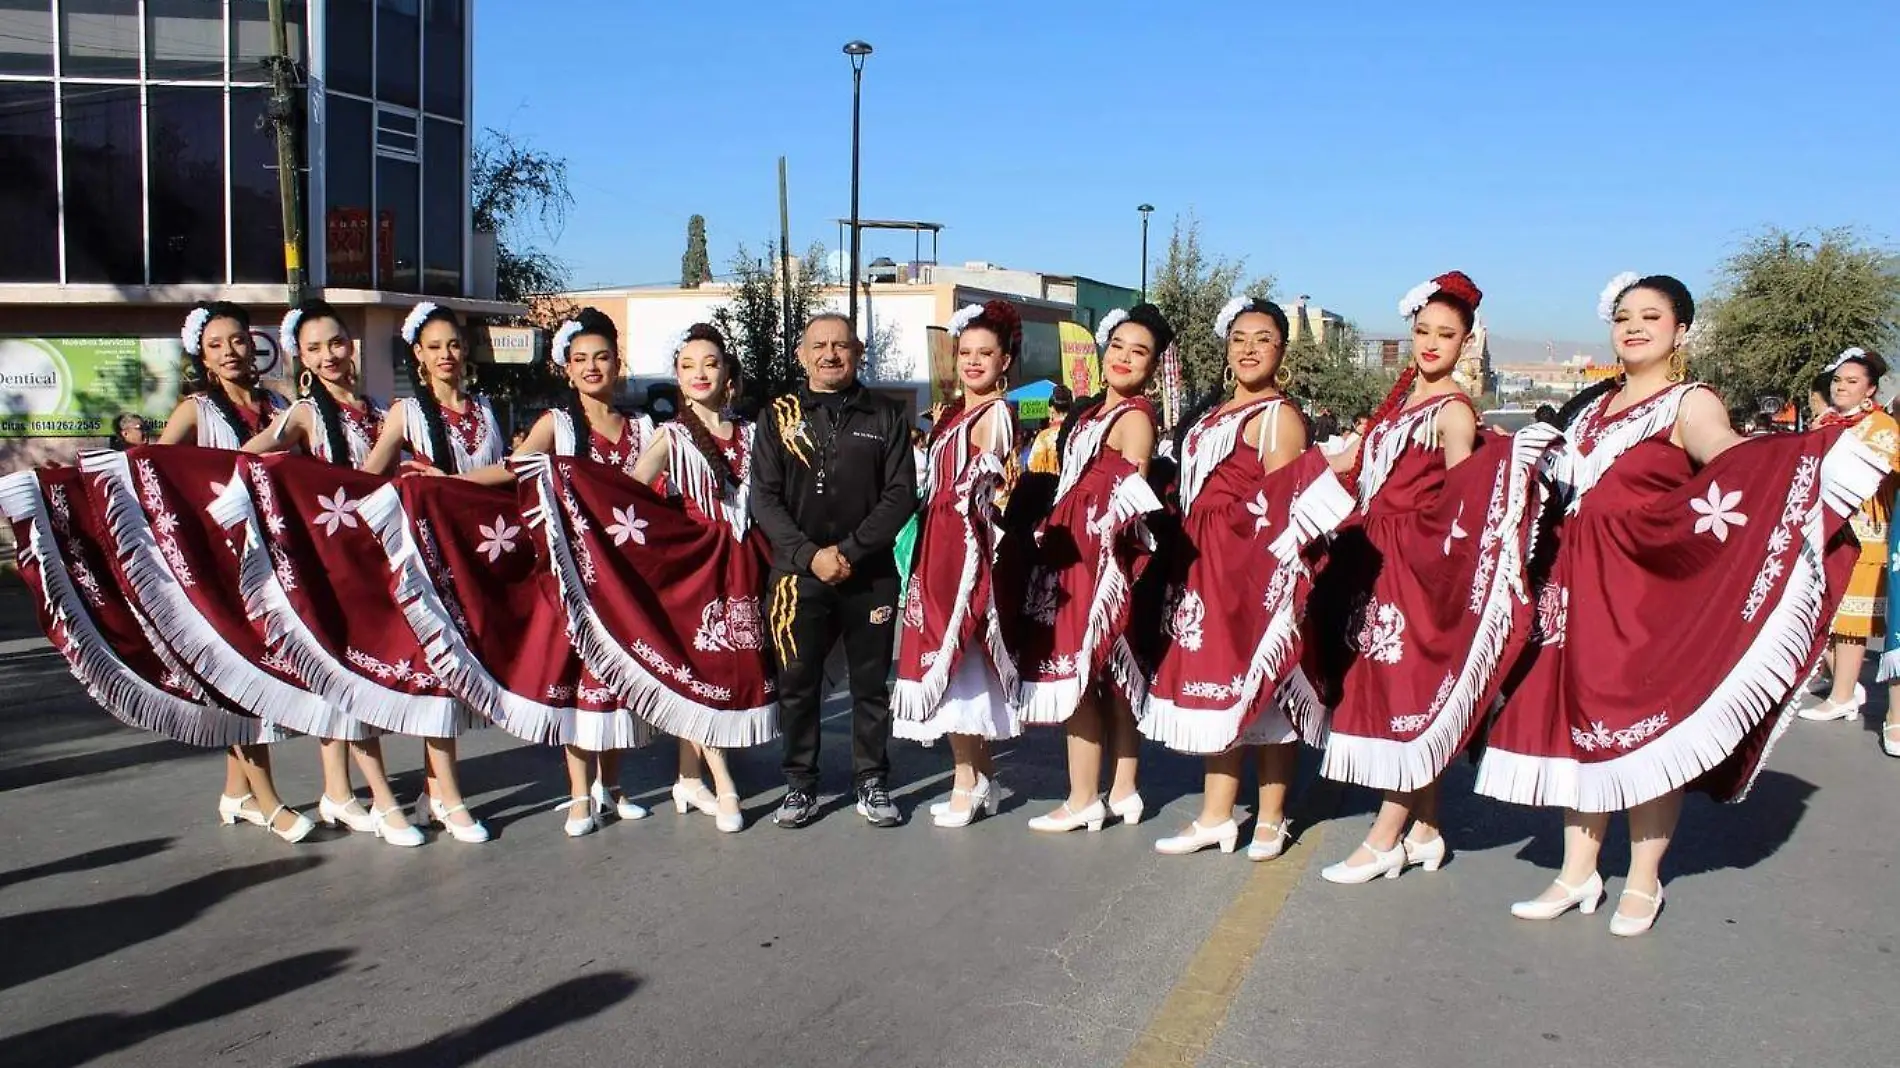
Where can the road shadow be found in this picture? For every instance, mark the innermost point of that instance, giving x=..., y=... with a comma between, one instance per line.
x=43, y=943
x=552, y=1009
x=87, y=1038
x=87, y=861
x=97, y=762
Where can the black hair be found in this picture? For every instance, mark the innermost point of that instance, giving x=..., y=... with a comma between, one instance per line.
x=1061, y=400
x=1150, y=317
x=1680, y=300
x=328, y=412
x=1325, y=426
x=1546, y=413
x=685, y=416
x=1081, y=411
x=198, y=377
x=1576, y=405
x=592, y=322
x=424, y=397
x=1871, y=362
x=1467, y=313
x=1262, y=306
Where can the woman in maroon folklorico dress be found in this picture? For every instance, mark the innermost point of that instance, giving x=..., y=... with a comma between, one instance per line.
x=1253, y=498
x=1070, y=631
x=1422, y=594
x=71, y=558
x=954, y=675
x=1694, y=579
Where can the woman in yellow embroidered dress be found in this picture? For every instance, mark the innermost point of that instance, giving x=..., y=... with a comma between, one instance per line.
x=1854, y=379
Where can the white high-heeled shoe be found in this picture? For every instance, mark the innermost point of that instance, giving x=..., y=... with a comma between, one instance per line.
x=983, y=800
x=1128, y=809
x=1829, y=710
x=1388, y=863
x=614, y=797
x=1428, y=855
x=1269, y=839
x=474, y=834
x=1225, y=834
x=298, y=830
x=401, y=833
x=583, y=824
x=1063, y=820
x=1584, y=898
x=231, y=810
x=1890, y=739
x=729, y=822
x=689, y=794
x=349, y=813
x=938, y=808
x=1630, y=926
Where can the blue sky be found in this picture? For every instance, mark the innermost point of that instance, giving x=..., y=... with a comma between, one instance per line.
x=1351, y=149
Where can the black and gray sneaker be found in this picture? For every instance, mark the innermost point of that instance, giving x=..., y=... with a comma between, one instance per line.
x=799, y=808
x=874, y=804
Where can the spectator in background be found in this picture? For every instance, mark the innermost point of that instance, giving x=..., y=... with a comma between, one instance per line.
x=1547, y=413
x=1325, y=432
x=1044, y=459
x=919, y=436
x=128, y=431
x=1763, y=424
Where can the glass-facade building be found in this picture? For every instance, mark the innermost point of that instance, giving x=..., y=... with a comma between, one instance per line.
x=135, y=152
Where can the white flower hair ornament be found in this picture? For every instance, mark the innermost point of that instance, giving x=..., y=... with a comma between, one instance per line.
x=965, y=315
x=679, y=342
x=287, y=332
x=1230, y=311
x=1606, y=302
x=1106, y=328
x=1855, y=353
x=412, y=326
x=1416, y=298
x=557, y=349
x=192, y=337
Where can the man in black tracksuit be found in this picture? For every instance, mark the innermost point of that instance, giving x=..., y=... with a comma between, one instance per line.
x=833, y=481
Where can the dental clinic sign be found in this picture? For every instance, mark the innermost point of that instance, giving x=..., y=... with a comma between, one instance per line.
x=66, y=387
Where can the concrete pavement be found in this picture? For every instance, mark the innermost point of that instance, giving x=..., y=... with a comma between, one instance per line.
x=136, y=931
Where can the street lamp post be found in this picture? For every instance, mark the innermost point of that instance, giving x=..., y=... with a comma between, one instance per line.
x=1146, y=210
x=857, y=51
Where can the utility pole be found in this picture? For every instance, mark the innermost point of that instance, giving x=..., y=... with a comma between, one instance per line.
x=283, y=120
x=785, y=261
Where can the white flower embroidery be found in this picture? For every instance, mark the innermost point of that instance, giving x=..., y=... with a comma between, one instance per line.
x=337, y=510
x=1553, y=615
x=1457, y=531
x=1043, y=596
x=497, y=539
x=1717, y=512
x=1382, y=635
x=1258, y=508
x=1184, y=623
x=627, y=527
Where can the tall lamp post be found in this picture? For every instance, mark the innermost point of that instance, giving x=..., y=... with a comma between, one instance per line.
x=1146, y=210
x=856, y=51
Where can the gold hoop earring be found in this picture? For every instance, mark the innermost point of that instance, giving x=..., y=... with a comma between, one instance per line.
x=306, y=381
x=1283, y=378
x=1678, y=366
x=1227, y=375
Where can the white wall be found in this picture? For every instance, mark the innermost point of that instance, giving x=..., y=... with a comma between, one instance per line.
x=654, y=321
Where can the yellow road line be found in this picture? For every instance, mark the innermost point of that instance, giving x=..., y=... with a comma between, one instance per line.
x=1191, y=1015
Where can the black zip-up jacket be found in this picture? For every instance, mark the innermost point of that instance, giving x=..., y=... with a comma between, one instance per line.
x=850, y=483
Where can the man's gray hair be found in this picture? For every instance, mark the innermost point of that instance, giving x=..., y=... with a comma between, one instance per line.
x=829, y=316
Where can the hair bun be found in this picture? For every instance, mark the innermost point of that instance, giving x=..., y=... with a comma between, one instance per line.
x=1459, y=284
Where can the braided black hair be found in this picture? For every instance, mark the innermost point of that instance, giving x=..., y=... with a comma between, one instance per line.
x=695, y=429
x=328, y=411
x=424, y=397
x=591, y=322
x=198, y=377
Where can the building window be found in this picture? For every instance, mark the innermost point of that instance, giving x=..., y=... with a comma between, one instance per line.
x=349, y=245
x=257, y=220
x=105, y=233
x=26, y=37
x=99, y=38
x=185, y=133
x=443, y=60
x=347, y=58
x=399, y=53
x=398, y=225
x=251, y=38
x=185, y=40
x=29, y=193
x=444, y=208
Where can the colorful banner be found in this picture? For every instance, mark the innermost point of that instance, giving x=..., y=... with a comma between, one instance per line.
x=1081, y=364
x=76, y=386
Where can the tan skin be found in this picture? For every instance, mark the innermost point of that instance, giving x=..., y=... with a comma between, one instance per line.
x=830, y=356
x=983, y=363
x=1852, y=387
x=1255, y=350
x=706, y=381
x=439, y=353
x=1646, y=332
x=230, y=366
x=1102, y=719
x=325, y=349
x=1439, y=334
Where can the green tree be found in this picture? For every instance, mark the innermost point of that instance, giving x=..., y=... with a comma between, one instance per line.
x=1190, y=287
x=1329, y=373
x=753, y=317
x=1787, y=303
x=520, y=195
x=695, y=268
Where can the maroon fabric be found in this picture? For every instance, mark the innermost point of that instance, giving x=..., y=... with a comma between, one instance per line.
x=1662, y=581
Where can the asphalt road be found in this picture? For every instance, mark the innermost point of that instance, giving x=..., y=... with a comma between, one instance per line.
x=134, y=930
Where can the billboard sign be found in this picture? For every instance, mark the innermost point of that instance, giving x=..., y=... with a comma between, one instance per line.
x=65, y=387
